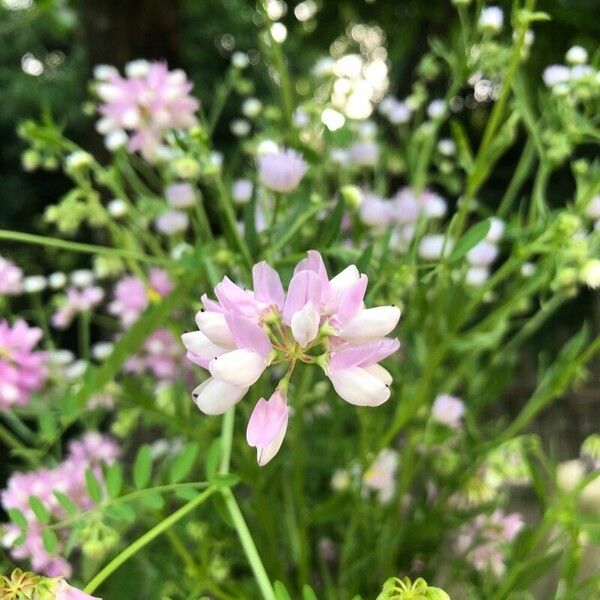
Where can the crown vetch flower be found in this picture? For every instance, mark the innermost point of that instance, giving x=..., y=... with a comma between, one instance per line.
x=147, y=103
x=281, y=171
x=22, y=369
x=77, y=301
x=318, y=321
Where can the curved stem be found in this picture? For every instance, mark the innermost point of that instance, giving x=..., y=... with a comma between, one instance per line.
x=145, y=539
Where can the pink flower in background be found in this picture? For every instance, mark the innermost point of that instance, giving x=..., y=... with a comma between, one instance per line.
x=180, y=195
x=364, y=153
x=145, y=105
x=160, y=356
x=11, y=278
x=132, y=296
x=172, y=222
x=381, y=475
x=281, y=171
x=22, y=369
x=244, y=331
x=484, y=541
x=77, y=301
x=448, y=410
x=241, y=191
x=89, y=452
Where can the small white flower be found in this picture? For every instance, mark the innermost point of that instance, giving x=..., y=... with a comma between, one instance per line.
x=102, y=350
x=116, y=208
x=115, y=140
x=556, y=74
x=437, y=108
x=576, y=55
x=240, y=60
x=447, y=147
x=491, y=18
x=57, y=280
x=251, y=107
x=240, y=127
x=105, y=72
x=82, y=278
x=34, y=284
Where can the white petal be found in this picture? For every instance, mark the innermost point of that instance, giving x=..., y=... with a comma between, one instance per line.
x=305, y=324
x=199, y=344
x=380, y=372
x=215, y=397
x=342, y=281
x=214, y=326
x=371, y=323
x=358, y=386
x=239, y=367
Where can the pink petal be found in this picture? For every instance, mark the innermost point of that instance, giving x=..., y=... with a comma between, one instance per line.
x=305, y=286
x=364, y=354
x=351, y=301
x=267, y=285
x=266, y=420
x=249, y=335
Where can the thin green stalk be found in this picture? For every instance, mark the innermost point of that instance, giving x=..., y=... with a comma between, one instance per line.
x=519, y=177
x=41, y=240
x=10, y=440
x=83, y=331
x=262, y=579
x=145, y=539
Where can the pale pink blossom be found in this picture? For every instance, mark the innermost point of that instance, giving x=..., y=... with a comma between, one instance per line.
x=243, y=331
x=381, y=475
x=364, y=153
x=132, y=296
x=11, y=278
x=22, y=369
x=281, y=171
x=66, y=592
x=147, y=103
x=180, y=195
x=77, y=301
x=267, y=426
x=241, y=191
x=448, y=410
x=172, y=222
x=159, y=356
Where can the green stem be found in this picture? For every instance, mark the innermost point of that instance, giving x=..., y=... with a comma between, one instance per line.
x=519, y=177
x=145, y=539
x=41, y=240
x=10, y=440
x=262, y=579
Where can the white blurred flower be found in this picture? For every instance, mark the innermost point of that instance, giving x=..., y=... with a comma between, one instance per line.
x=34, y=284
x=57, y=280
x=491, y=18
x=116, y=208
x=437, y=108
x=82, y=278
x=576, y=55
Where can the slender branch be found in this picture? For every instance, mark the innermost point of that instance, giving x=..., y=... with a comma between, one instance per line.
x=145, y=539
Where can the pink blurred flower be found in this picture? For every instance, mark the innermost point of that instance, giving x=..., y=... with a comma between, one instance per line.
x=147, y=103
x=180, y=195
x=381, y=475
x=160, y=356
x=281, y=171
x=22, y=370
x=77, y=301
x=448, y=410
x=172, y=222
x=241, y=191
x=132, y=296
x=66, y=592
x=68, y=478
x=11, y=278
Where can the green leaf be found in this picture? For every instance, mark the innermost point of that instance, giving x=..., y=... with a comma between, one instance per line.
x=465, y=154
x=114, y=480
x=39, y=510
x=333, y=225
x=17, y=517
x=153, y=501
x=93, y=487
x=142, y=467
x=184, y=463
x=225, y=481
x=186, y=493
x=49, y=540
x=66, y=502
x=471, y=238
x=250, y=226
x=280, y=592
x=213, y=458
x=308, y=593
x=222, y=510
x=362, y=263
x=121, y=512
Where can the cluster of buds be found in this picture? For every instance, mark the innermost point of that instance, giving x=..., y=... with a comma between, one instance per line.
x=22, y=584
x=318, y=321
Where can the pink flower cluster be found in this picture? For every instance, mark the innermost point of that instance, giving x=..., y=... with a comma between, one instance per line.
x=77, y=301
x=483, y=541
x=160, y=355
x=401, y=212
x=132, y=295
x=245, y=331
x=146, y=104
x=22, y=369
x=281, y=171
x=69, y=478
